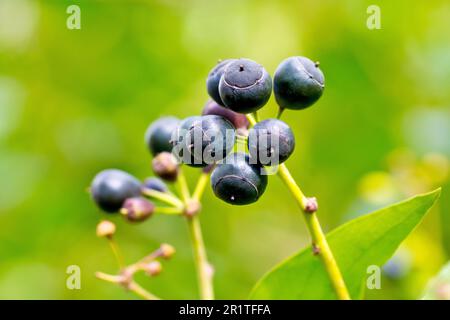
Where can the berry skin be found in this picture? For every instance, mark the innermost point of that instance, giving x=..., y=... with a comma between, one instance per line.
x=238, y=120
x=271, y=142
x=110, y=188
x=206, y=140
x=245, y=86
x=181, y=144
x=237, y=181
x=154, y=183
x=298, y=83
x=159, y=133
x=212, y=82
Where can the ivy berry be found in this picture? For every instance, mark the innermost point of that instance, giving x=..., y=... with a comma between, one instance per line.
x=245, y=86
x=298, y=83
x=110, y=188
x=271, y=142
x=156, y=184
x=238, y=120
x=237, y=181
x=159, y=134
x=206, y=140
x=212, y=82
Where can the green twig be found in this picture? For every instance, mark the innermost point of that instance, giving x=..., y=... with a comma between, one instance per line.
x=319, y=241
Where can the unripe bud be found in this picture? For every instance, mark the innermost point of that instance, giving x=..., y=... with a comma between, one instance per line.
x=165, y=165
x=137, y=209
x=311, y=205
x=153, y=268
x=167, y=251
x=106, y=229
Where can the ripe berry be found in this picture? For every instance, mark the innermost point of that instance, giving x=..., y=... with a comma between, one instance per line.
x=245, y=86
x=238, y=120
x=212, y=82
x=180, y=143
x=298, y=83
x=238, y=182
x=154, y=183
x=110, y=188
x=159, y=134
x=137, y=209
x=207, y=139
x=271, y=142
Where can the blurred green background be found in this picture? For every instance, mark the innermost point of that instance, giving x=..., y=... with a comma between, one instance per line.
x=73, y=102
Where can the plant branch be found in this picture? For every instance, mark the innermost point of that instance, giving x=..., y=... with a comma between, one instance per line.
x=204, y=269
x=163, y=197
x=168, y=210
x=132, y=285
x=201, y=186
x=183, y=187
x=319, y=241
x=116, y=251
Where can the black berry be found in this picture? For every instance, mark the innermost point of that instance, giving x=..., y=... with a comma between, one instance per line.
x=245, y=86
x=206, y=140
x=159, y=134
x=212, y=82
x=238, y=120
x=238, y=182
x=154, y=183
x=298, y=83
x=110, y=188
x=271, y=142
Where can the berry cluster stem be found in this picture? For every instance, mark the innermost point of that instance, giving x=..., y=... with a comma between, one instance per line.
x=204, y=270
x=319, y=242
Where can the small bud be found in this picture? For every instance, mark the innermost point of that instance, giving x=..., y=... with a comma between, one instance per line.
x=192, y=208
x=315, y=249
x=165, y=165
x=106, y=229
x=153, y=268
x=311, y=205
x=167, y=251
x=137, y=209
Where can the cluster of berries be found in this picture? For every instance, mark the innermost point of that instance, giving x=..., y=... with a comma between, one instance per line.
x=237, y=87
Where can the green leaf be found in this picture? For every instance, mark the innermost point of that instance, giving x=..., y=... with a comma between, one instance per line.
x=368, y=240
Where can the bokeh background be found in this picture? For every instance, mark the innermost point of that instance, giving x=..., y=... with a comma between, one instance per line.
x=73, y=102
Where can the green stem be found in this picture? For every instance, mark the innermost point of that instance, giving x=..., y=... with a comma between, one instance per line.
x=319, y=241
x=116, y=251
x=201, y=186
x=132, y=286
x=204, y=272
x=280, y=112
x=163, y=197
x=183, y=187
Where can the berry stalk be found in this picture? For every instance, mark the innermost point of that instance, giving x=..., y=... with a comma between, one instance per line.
x=204, y=272
x=319, y=242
